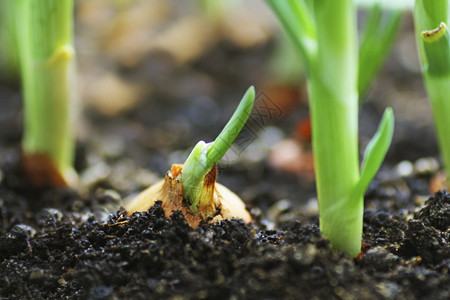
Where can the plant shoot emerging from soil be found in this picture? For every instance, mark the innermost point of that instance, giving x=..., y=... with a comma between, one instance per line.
x=44, y=34
x=192, y=187
x=433, y=40
x=325, y=34
x=205, y=156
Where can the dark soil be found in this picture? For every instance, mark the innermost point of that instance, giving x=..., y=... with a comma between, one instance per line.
x=148, y=256
x=57, y=244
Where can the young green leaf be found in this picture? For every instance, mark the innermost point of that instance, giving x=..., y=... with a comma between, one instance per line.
x=204, y=156
x=377, y=39
x=224, y=140
x=375, y=152
x=298, y=22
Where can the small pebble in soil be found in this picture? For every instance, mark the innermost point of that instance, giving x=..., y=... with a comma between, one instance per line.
x=404, y=168
x=95, y=174
x=109, y=196
x=426, y=165
x=311, y=208
x=36, y=274
x=22, y=231
x=62, y=282
x=49, y=217
x=388, y=290
x=379, y=259
x=277, y=209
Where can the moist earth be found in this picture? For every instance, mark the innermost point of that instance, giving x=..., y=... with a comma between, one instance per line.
x=62, y=253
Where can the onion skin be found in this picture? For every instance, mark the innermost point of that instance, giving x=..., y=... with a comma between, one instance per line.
x=217, y=201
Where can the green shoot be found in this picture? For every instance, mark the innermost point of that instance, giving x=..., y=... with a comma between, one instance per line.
x=9, y=61
x=325, y=35
x=285, y=66
x=433, y=40
x=377, y=38
x=44, y=33
x=205, y=156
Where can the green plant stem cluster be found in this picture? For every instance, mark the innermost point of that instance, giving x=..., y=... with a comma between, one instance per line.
x=433, y=40
x=325, y=35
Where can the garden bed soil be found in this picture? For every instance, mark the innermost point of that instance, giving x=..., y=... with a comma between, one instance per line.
x=66, y=254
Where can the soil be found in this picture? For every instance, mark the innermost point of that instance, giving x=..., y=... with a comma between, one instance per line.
x=61, y=243
x=67, y=254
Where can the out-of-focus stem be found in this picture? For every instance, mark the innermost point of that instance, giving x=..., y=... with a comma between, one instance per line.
x=9, y=60
x=433, y=41
x=44, y=31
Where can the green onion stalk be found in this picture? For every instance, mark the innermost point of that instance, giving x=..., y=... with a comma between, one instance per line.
x=44, y=33
x=325, y=35
x=433, y=41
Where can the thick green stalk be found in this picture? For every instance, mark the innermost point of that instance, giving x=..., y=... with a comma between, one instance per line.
x=45, y=40
x=433, y=41
x=428, y=14
x=334, y=116
x=439, y=92
x=334, y=137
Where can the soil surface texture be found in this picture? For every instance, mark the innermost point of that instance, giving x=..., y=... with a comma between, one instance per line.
x=62, y=253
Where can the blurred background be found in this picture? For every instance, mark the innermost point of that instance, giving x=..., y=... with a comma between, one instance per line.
x=156, y=76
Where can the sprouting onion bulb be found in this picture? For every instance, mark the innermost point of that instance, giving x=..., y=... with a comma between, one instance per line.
x=192, y=187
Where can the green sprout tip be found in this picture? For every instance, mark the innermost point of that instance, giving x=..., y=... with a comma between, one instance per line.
x=205, y=156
